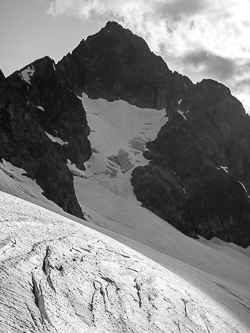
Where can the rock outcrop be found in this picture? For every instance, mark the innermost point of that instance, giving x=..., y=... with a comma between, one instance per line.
x=37, y=114
x=198, y=175
x=116, y=64
x=55, y=107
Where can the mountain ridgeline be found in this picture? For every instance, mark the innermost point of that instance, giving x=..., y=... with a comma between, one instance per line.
x=198, y=175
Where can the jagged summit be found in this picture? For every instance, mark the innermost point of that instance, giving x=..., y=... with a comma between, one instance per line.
x=115, y=31
x=113, y=28
x=116, y=64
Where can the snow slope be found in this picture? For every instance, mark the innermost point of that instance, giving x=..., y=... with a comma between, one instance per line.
x=14, y=181
x=62, y=276
x=59, y=276
x=118, y=135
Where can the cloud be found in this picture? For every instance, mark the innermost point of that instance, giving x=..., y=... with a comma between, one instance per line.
x=195, y=37
x=240, y=83
x=179, y=8
x=205, y=64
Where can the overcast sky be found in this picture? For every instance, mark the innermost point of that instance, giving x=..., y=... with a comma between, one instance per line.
x=198, y=38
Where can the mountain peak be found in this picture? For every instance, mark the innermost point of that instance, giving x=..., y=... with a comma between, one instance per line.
x=116, y=64
x=113, y=25
x=113, y=29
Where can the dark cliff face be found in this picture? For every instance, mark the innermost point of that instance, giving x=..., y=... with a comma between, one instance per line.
x=55, y=107
x=198, y=175
x=44, y=124
x=116, y=64
x=25, y=145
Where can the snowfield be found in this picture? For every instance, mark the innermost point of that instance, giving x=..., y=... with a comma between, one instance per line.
x=59, y=276
x=122, y=270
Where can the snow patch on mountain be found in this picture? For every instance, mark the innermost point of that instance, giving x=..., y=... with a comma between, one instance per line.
x=243, y=186
x=40, y=107
x=224, y=168
x=119, y=132
x=27, y=73
x=56, y=139
x=182, y=114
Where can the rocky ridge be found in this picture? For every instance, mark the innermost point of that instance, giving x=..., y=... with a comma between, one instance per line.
x=42, y=125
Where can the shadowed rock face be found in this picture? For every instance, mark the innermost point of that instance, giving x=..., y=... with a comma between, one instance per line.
x=116, y=64
x=198, y=162
x=37, y=105
x=55, y=107
x=25, y=144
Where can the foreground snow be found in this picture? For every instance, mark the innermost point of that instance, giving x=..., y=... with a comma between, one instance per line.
x=59, y=276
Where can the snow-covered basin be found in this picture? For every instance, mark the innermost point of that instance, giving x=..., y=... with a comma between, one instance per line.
x=118, y=129
x=61, y=276
x=110, y=200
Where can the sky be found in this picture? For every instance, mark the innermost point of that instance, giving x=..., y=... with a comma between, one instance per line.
x=198, y=38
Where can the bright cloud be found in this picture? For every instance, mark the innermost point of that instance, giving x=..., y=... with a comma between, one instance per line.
x=199, y=38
